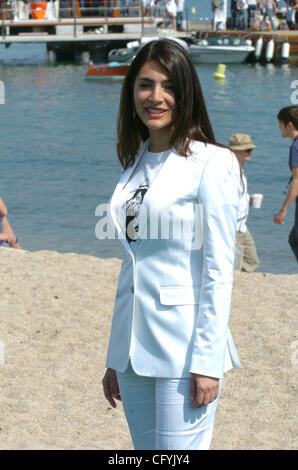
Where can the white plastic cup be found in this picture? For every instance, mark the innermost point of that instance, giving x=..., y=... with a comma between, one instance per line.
x=257, y=200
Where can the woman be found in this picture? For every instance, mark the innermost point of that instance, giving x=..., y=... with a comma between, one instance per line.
x=170, y=342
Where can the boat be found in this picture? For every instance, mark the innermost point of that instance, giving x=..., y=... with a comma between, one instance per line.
x=125, y=54
x=106, y=71
x=222, y=49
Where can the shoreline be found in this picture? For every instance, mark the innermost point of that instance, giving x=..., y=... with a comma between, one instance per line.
x=118, y=258
x=56, y=311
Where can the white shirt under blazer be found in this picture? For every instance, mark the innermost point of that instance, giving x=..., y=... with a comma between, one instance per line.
x=173, y=303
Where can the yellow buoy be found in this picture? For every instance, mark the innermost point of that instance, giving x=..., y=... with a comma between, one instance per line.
x=220, y=72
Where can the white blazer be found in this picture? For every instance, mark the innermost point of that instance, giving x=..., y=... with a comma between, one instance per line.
x=174, y=293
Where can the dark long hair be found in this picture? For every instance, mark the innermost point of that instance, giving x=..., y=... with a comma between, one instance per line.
x=190, y=118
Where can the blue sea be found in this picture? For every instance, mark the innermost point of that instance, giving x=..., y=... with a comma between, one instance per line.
x=58, y=159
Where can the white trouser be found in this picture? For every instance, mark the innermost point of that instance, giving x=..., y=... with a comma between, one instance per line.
x=159, y=415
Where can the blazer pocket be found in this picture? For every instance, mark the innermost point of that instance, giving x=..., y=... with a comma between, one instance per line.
x=179, y=295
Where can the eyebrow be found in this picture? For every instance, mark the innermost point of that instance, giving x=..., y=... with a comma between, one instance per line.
x=168, y=80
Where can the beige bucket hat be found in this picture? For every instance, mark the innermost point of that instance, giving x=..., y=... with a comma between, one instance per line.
x=241, y=142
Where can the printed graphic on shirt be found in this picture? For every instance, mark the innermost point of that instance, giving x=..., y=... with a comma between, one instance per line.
x=132, y=211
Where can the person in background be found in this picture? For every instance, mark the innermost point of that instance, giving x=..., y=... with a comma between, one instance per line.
x=268, y=7
x=157, y=8
x=242, y=146
x=7, y=234
x=252, y=8
x=233, y=14
x=288, y=124
x=292, y=19
x=180, y=8
x=123, y=7
x=171, y=10
x=146, y=7
x=290, y=15
x=215, y=4
x=242, y=14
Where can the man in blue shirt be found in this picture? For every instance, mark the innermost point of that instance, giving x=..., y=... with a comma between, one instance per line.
x=288, y=123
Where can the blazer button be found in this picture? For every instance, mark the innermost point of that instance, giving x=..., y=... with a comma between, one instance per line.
x=132, y=289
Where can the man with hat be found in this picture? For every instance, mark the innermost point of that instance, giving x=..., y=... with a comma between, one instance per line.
x=242, y=146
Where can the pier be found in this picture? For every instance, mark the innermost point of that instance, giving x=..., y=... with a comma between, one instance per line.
x=72, y=30
x=279, y=37
x=69, y=30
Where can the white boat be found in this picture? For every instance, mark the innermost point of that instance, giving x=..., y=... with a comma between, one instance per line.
x=124, y=54
x=223, y=49
x=127, y=53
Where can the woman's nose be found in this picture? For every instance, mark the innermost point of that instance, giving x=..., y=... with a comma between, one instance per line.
x=156, y=94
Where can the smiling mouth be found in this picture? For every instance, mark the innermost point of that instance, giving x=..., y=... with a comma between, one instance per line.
x=155, y=112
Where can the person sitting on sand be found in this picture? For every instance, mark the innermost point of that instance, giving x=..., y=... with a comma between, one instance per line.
x=7, y=234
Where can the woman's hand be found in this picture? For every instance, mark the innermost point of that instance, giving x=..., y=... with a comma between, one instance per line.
x=110, y=387
x=203, y=390
x=8, y=238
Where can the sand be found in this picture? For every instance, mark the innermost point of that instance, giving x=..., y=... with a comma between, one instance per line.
x=55, y=313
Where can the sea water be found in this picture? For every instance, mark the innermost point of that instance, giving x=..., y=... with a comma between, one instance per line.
x=58, y=158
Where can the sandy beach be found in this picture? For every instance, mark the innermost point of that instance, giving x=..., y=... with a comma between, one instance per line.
x=55, y=315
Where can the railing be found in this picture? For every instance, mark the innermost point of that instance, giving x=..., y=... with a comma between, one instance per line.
x=19, y=10
x=110, y=8
x=58, y=10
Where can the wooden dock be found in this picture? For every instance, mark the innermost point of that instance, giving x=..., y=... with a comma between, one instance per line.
x=279, y=37
x=95, y=36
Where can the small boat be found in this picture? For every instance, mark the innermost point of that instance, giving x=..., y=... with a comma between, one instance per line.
x=104, y=71
x=223, y=49
x=124, y=54
x=127, y=53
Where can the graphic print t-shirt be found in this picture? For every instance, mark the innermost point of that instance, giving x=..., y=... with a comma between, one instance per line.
x=133, y=193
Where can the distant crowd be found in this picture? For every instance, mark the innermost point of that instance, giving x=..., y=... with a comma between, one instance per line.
x=244, y=14
x=262, y=14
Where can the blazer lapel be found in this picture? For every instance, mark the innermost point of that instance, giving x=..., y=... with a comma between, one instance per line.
x=167, y=167
x=124, y=178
